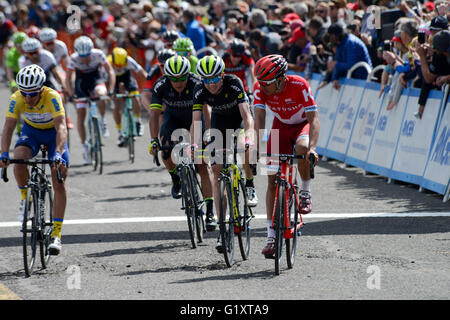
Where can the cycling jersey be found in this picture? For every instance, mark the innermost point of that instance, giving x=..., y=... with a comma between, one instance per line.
x=291, y=104
x=46, y=61
x=153, y=75
x=193, y=60
x=240, y=69
x=59, y=50
x=131, y=65
x=12, y=59
x=226, y=101
x=42, y=114
x=97, y=59
x=181, y=103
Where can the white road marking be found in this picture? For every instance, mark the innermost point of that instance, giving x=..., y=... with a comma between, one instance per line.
x=259, y=216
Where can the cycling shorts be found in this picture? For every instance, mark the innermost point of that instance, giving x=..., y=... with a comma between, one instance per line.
x=128, y=81
x=283, y=138
x=85, y=83
x=33, y=138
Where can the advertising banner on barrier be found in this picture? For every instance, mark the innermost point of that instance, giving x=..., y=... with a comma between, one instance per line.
x=352, y=92
x=384, y=142
x=437, y=172
x=364, y=126
x=327, y=100
x=416, y=137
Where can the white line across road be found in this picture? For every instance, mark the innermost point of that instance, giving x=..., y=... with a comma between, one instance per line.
x=260, y=216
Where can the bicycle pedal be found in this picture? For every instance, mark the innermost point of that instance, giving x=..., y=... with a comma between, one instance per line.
x=269, y=256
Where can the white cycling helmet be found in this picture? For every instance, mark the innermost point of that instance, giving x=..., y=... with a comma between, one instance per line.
x=31, y=45
x=177, y=66
x=30, y=78
x=83, y=45
x=47, y=35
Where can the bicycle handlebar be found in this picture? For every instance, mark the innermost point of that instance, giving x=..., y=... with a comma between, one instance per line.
x=312, y=159
x=125, y=96
x=33, y=162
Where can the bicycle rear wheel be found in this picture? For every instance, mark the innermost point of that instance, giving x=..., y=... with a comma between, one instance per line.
x=244, y=220
x=188, y=202
x=226, y=221
x=279, y=227
x=46, y=226
x=30, y=232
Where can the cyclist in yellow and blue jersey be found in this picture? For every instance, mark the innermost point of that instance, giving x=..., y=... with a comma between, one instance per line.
x=123, y=66
x=45, y=124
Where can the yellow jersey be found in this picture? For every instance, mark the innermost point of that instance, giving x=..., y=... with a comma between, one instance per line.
x=42, y=114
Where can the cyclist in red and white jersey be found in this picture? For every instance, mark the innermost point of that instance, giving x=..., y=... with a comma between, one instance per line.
x=296, y=123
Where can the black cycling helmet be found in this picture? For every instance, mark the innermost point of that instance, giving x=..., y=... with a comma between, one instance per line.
x=170, y=35
x=165, y=54
x=237, y=47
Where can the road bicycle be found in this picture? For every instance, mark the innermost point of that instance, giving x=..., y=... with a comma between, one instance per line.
x=94, y=132
x=129, y=132
x=235, y=215
x=37, y=225
x=193, y=202
x=287, y=219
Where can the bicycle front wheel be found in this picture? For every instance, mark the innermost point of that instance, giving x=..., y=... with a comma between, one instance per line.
x=96, y=146
x=188, y=202
x=244, y=220
x=291, y=243
x=198, y=203
x=226, y=221
x=130, y=134
x=279, y=227
x=30, y=232
x=46, y=226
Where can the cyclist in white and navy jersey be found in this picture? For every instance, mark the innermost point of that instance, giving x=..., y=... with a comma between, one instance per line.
x=86, y=63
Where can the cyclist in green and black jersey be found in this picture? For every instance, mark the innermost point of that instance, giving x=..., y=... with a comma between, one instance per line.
x=175, y=91
x=225, y=95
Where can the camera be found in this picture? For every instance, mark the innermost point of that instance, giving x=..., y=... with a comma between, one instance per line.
x=386, y=45
x=421, y=37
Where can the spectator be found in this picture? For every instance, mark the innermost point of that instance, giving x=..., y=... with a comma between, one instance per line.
x=299, y=53
x=322, y=10
x=218, y=8
x=366, y=26
x=437, y=72
x=258, y=20
x=193, y=29
x=338, y=11
x=263, y=44
x=316, y=30
x=349, y=51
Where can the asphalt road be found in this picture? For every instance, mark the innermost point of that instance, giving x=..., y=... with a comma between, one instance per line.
x=124, y=237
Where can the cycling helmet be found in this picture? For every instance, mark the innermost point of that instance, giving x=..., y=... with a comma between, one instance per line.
x=30, y=78
x=19, y=37
x=119, y=56
x=177, y=66
x=32, y=31
x=83, y=45
x=170, y=35
x=270, y=67
x=165, y=54
x=31, y=45
x=183, y=44
x=47, y=35
x=237, y=47
x=210, y=66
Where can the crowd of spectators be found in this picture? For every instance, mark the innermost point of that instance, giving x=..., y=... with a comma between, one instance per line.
x=410, y=38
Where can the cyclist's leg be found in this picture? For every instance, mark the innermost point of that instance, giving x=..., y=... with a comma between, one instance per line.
x=301, y=148
x=117, y=112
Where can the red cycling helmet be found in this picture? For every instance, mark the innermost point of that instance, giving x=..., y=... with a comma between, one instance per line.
x=270, y=67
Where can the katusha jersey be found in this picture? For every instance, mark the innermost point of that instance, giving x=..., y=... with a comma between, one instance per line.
x=291, y=104
x=42, y=114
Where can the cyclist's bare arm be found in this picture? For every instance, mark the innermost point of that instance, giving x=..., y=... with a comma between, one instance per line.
x=56, y=71
x=142, y=73
x=249, y=124
x=314, y=129
x=197, y=116
x=68, y=80
x=111, y=76
x=260, y=122
x=154, y=122
x=8, y=130
x=61, y=133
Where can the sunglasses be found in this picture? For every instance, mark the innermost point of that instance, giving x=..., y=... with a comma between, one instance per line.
x=29, y=94
x=236, y=55
x=319, y=11
x=84, y=55
x=266, y=83
x=213, y=80
x=49, y=43
x=178, y=79
x=183, y=53
x=32, y=53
